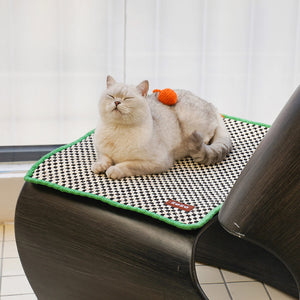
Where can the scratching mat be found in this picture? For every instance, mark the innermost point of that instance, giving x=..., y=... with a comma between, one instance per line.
x=186, y=196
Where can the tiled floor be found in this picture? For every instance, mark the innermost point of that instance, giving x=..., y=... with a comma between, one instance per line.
x=13, y=282
x=220, y=284
x=217, y=284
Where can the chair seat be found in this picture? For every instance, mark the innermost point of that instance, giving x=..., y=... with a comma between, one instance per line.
x=72, y=247
x=186, y=196
x=141, y=240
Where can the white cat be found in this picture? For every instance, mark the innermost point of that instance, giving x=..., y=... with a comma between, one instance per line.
x=139, y=135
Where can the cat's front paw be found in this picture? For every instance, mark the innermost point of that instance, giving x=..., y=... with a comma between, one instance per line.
x=99, y=167
x=115, y=172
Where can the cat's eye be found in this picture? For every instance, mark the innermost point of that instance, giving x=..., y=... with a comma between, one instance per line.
x=126, y=98
x=111, y=96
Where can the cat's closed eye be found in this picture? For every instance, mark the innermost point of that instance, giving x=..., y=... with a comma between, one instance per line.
x=126, y=98
x=111, y=96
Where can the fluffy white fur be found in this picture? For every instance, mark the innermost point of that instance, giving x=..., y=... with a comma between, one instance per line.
x=139, y=135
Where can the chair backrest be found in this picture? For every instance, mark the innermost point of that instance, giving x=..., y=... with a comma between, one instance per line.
x=264, y=204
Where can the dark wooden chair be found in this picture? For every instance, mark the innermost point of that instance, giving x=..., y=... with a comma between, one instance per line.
x=264, y=205
x=77, y=248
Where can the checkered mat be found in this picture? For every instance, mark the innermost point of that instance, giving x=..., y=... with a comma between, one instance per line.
x=186, y=196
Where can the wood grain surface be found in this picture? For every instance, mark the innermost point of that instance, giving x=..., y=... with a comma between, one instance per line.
x=264, y=204
x=78, y=248
x=74, y=249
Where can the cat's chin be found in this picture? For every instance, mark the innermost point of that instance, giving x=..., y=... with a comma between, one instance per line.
x=116, y=111
x=120, y=118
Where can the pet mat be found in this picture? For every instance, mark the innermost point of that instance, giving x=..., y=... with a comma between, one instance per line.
x=186, y=196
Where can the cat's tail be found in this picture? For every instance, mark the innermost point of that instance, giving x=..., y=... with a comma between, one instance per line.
x=213, y=153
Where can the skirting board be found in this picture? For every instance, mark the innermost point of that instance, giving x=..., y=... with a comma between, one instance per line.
x=10, y=188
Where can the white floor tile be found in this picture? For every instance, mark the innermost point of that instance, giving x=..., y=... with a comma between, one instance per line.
x=278, y=295
x=10, y=249
x=19, y=297
x=12, y=267
x=15, y=285
x=247, y=291
x=234, y=277
x=208, y=274
x=9, y=232
x=215, y=291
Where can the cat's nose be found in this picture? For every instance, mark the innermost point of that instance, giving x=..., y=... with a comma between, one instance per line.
x=117, y=103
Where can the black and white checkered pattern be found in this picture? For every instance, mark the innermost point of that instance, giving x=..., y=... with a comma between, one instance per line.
x=204, y=187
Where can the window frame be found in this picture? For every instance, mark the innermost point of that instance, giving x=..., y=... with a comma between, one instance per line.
x=25, y=153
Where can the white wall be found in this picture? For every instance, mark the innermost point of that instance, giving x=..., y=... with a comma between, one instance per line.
x=10, y=189
x=244, y=56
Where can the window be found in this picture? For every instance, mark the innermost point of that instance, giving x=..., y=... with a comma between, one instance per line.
x=243, y=56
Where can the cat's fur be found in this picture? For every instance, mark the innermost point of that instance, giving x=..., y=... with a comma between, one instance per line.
x=139, y=135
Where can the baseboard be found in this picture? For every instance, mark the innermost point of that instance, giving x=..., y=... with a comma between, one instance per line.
x=10, y=189
x=11, y=183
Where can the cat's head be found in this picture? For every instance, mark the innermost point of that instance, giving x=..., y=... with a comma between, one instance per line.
x=124, y=104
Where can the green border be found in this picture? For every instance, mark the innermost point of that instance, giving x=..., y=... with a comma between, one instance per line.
x=246, y=121
x=203, y=221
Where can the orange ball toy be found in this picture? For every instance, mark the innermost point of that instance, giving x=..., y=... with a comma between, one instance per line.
x=166, y=96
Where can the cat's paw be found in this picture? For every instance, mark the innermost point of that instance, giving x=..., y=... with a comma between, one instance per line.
x=115, y=172
x=99, y=167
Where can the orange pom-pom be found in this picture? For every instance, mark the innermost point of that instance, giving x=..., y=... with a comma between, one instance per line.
x=167, y=96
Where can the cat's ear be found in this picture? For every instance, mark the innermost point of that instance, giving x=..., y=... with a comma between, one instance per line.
x=110, y=81
x=143, y=87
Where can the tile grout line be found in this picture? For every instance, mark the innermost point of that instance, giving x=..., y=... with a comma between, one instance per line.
x=13, y=295
x=225, y=283
x=9, y=257
x=234, y=281
x=18, y=275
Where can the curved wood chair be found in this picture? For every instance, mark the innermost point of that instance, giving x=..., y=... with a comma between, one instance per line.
x=264, y=205
x=72, y=247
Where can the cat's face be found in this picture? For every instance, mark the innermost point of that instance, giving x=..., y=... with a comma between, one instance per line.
x=123, y=104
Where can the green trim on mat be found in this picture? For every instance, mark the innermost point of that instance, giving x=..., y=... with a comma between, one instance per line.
x=246, y=121
x=177, y=224
x=34, y=167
